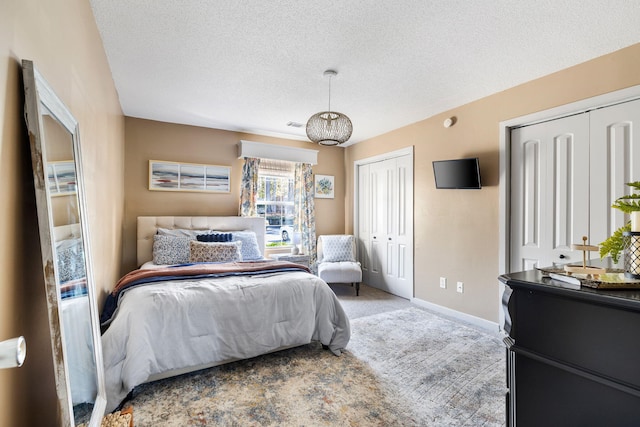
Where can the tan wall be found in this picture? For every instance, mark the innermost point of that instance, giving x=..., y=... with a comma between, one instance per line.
x=61, y=37
x=151, y=140
x=456, y=231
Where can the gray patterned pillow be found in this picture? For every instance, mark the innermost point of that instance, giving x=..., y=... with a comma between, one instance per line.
x=337, y=248
x=70, y=260
x=250, y=248
x=214, y=251
x=170, y=249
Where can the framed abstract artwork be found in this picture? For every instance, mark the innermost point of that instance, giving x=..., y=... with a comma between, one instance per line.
x=324, y=188
x=62, y=178
x=173, y=176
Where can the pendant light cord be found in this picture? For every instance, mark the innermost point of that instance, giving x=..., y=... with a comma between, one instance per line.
x=330, y=76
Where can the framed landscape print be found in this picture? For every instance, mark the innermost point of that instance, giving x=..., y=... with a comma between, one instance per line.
x=173, y=176
x=324, y=187
x=61, y=177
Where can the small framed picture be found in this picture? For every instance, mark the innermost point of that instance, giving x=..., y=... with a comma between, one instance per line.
x=324, y=188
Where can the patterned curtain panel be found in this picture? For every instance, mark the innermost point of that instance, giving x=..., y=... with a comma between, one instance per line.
x=305, y=219
x=249, y=191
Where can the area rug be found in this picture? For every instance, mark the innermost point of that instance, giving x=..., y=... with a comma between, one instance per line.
x=303, y=386
x=453, y=374
x=402, y=368
x=122, y=418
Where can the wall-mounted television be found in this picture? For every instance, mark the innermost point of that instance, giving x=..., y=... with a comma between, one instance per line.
x=457, y=173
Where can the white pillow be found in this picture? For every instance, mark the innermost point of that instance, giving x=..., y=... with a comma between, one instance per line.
x=250, y=248
x=336, y=248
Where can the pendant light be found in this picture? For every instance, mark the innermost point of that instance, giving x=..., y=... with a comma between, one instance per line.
x=329, y=127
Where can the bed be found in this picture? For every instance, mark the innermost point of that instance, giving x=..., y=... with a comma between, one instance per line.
x=165, y=320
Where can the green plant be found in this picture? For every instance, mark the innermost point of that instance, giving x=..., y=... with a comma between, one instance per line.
x=277, y=244
x=627, y=204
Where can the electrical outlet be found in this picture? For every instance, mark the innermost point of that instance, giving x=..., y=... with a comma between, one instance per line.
x=443, y=282
x=460, y=287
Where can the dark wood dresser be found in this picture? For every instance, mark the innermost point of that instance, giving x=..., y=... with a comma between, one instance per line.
x=573, y=355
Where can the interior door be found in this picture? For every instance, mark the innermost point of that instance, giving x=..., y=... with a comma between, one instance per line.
x=378, y=197
x=400, y=272
x=549, y=192
x=615, y=161
x=364, y=221
x=391, y=230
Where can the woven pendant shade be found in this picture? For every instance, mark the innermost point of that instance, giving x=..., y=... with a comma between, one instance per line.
x=329, y=127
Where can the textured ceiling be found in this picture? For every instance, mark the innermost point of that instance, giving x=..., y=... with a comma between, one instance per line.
x=254, y=65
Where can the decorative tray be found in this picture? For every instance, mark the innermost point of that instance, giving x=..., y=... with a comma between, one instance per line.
x=614, y=278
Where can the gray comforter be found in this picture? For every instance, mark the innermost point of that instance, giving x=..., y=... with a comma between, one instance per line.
x=189, y=323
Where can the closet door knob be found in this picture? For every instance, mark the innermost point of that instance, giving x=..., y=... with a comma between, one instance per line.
x=562, y=256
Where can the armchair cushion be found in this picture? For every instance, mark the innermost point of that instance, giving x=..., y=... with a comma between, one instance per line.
x=337, y=248
x=340, y=272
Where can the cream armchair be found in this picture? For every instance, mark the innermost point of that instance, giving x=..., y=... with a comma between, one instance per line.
x=337, y=260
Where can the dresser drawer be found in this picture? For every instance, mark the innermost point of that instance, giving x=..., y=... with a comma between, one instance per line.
x=550, y=396
x=597, y=338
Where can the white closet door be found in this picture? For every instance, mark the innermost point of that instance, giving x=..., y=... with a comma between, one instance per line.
x=379, y=179
x=364, y=221
x=549, y=192
x=400, y=241
x=385, y=202
x=615, y=161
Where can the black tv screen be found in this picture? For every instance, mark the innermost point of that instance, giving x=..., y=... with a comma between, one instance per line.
x=457, y=173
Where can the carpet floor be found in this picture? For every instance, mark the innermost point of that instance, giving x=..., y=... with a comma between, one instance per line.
x=403, y=367
x=452, y=374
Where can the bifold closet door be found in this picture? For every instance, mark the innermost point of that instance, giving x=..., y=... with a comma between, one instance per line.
x=381, y=191
x=565, y=174
x=549, y=192
x=401, y=282
x=615, y=161
x=385, y=224
x=364, y=221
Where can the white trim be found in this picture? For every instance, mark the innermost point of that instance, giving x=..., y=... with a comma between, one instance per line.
x=458, y=315
x=384, y=156
x=277, y=152
x=600, y=101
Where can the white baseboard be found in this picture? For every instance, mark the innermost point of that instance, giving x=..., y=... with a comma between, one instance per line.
x=458, y=315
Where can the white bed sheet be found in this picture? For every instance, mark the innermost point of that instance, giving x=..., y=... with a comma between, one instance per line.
x=189, y=323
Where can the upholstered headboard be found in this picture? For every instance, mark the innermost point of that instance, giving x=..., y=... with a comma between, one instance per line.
x=148, y=225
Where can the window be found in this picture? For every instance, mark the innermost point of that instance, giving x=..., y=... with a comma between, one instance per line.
x=275, y=200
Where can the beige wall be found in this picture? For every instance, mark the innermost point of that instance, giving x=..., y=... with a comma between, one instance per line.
x=456, y=231
x=151, y=140
x=61, y=37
